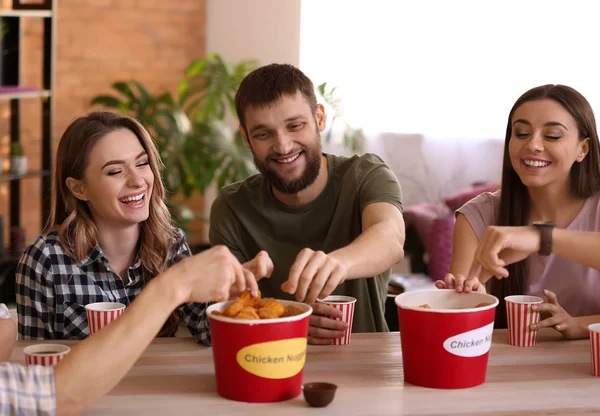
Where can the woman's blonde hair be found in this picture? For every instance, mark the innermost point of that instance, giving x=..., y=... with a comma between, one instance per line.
x=71, y=217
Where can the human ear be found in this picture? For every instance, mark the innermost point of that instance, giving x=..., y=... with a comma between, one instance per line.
x=584, y=148
x=77, y=188
x=321, y=117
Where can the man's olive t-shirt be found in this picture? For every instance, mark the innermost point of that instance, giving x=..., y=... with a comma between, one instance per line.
x=247, y=218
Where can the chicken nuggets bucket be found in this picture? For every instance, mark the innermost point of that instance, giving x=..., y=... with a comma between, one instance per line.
x=259, y=348
x=445, y=337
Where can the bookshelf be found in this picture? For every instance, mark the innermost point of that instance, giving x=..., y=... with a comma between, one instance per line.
x=12, y=91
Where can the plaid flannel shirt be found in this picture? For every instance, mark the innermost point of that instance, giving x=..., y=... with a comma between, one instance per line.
x=26, y=391
x=52, y=290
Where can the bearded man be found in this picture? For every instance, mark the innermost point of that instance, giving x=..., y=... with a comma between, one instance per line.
x=321, y=224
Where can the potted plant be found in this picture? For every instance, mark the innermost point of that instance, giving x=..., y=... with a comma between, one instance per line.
x=18, y=160
x=339, y=130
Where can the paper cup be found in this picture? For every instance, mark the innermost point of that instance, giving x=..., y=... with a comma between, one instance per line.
x=46, y=355
x=595, y=348
x=101, y=314
x=346, y=305
x=445, y=346
x=259, y=360
x=520, y=317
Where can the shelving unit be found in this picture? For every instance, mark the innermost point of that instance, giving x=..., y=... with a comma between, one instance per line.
x=26, y=13
x=14, y=177
x=12, y=91
x=19, y=95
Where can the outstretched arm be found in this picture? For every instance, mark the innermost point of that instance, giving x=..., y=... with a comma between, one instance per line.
x=119, y=345
x=8, y=336
x=464, y=245
x=501, y=246
x=379, y=246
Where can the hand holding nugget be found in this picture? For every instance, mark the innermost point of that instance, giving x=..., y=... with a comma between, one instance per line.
x=314, y=275
x=261, y=265
x=222, y=271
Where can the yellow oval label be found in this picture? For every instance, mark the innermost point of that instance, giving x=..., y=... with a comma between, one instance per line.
x=274, y=359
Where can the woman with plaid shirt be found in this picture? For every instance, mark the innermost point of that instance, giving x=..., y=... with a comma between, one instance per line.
x=109, y=233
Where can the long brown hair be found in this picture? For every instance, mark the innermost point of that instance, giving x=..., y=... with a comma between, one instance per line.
x=515, y=204
x=71, y=217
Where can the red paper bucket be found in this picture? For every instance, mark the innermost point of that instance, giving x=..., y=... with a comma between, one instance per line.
x=447, y=345
x=259, y=360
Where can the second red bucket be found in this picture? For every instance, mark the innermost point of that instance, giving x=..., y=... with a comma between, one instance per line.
x=445, y=337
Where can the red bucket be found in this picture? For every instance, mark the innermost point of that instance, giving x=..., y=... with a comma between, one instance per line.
x=259, y=360
x=446, y=346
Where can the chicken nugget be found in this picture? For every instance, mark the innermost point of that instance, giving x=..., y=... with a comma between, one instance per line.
x=291, y=310
x=269, y=303
x=248, y=300
x=247, y=313
x=217, y=313
x=425, y=306
x=233, y=309
x=267, y=313
x=482, y=304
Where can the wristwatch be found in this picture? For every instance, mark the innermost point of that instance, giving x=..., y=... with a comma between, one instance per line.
x=545, y=228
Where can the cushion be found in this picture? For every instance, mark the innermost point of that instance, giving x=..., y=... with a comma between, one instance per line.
x=440, y=247
x=422, y=216
x=463, y=196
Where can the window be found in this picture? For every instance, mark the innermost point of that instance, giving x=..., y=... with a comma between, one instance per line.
x=447, y=68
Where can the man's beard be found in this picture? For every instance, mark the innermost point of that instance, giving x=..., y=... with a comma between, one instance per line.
x=308, y=177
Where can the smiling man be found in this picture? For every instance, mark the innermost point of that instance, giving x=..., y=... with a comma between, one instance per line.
x=330, y=224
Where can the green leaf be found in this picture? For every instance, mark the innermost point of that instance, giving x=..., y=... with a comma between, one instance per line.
x=321, y=88
x=165, y=98
x=144, y=99
x=106, y=101
x=124, y=89
x=196, y=67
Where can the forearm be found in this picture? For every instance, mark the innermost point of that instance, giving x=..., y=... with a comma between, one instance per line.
x=578, y=246
x=104, y=358
x=374, y=251
x=8, y=335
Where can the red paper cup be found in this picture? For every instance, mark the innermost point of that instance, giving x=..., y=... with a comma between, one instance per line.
x=100, y=314
x=447, y=345
x=595, y=348
x=259, y=360
x=46, y=355
x=346, y=305
x=520, y=317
